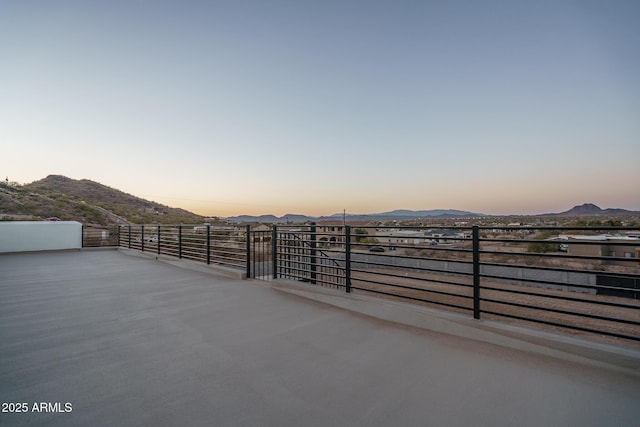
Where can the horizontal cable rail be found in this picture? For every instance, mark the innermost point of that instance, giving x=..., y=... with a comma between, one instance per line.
x=96, y=237
x=528, y=275
x=559, y=281
x=225, y=246
x=580, y=279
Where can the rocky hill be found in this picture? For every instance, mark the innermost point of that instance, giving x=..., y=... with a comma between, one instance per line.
x=85, y=201
x=589, y=209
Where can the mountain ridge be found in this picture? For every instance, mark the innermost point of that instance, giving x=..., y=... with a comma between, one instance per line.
x=591, y=209
x=586, y=209
x=86, y=201
x=398, y=214
x=90, y=202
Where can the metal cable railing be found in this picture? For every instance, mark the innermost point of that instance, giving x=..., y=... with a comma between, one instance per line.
x=583, y=279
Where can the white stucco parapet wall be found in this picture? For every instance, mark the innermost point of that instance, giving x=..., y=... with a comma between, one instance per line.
x=29, y=236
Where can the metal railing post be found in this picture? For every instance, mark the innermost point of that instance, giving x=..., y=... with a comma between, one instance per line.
x=248, y=242
x=208, y=244
x=158, y=239
x=180, y=241
x=314, y=258
x=274, y=251
x=82, y=237
x=476, y=271
x=142, y=233
x=129, y=236
x=347, y=258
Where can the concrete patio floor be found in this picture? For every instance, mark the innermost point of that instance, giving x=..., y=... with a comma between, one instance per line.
x=132, y=341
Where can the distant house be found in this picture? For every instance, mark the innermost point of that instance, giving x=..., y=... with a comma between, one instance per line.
x=261, y=227
x=200, y=229
x=603, y=245
x=332, y=231
x=399, y=237
x=445, y=236
x=259, y=231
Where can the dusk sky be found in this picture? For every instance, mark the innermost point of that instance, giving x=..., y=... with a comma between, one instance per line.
x=312, y=107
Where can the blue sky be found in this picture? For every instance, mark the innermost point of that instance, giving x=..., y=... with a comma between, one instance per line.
x=318, y=106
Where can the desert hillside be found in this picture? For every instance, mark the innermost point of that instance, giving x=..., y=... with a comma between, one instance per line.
x=85, y=201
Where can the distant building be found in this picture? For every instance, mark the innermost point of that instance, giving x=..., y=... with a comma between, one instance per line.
x=396, y=236
x=445, y=236
x=332, y=231
x=603, y=245
x=399, y=237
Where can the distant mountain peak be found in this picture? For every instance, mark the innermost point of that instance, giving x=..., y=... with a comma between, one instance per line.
x=587, y=209
x=584, y=209
x=589, y=206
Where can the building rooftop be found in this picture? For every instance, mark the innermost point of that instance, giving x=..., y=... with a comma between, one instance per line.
x=599, y=237
x=128, y=340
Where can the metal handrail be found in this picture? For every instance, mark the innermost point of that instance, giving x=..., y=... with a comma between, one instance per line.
x=465, y=272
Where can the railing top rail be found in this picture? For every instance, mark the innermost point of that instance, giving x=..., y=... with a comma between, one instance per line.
x=633, y=228
x=562, y=228
x=199, y=224
x=523, y=281
x=406, y=227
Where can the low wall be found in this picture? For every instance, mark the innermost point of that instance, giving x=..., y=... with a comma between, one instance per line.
x=31, y=236
x=517, y=275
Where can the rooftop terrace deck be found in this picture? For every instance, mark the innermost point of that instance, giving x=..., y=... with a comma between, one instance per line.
x=131, y=341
